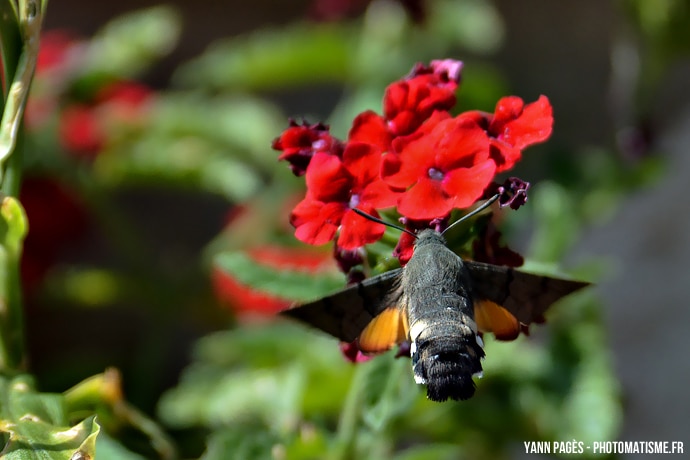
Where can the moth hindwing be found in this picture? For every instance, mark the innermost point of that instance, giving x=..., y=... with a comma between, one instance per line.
x=439, y=303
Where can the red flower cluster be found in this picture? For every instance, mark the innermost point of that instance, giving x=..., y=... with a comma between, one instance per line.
x=85, y=124
x=84, y=127
x=416, y=157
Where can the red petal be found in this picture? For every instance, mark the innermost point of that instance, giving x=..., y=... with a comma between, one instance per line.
x=405, y=248
x=395, y=99
x=316, y=222
x=362, y=162
x=81, y=132
x=461, y=143
x=395, y=174
x=327, y=178
x=466, y=185
x=379, y=195
x=520, y=125
x=533, y=126
x=504, y=155
x=371, y=128
x=425, y=200
x=357, y=231
x=507, y=109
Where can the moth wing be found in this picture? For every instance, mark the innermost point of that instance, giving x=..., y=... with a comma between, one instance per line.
x=385, y=330
x=346, y=313
x=491, y=317
x=523, y=295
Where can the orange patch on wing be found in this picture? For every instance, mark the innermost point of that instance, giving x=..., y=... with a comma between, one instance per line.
x=384, y=331
x=491, y=317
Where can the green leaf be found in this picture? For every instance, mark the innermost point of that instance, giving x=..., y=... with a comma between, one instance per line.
x=220, y=146
x=110, y=449
x=253, y=445
x=127, y=45
x=37, y=424
x=268, y=59
x=435, y=451
x=266, y=375
x=290, y=284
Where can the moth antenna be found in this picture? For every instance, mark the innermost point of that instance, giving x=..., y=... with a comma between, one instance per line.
x=379, y=221
x=484, y=205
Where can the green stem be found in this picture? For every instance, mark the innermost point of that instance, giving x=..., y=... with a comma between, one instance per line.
x=20, y=24
x=344, y=448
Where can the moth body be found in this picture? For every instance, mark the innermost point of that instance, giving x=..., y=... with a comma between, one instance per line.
x=439, y=303
x=437, y=298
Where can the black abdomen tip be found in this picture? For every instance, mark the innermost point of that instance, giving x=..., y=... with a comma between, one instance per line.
x=447, y=365
x=448, y=380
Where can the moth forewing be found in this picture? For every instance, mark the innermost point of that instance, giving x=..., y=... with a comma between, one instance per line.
x=346, y=313
x=525, y=295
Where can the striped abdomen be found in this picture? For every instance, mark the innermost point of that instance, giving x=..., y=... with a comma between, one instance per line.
x=445, y=348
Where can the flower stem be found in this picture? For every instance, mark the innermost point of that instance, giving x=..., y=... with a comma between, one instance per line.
x=344, y=448
x=20, y=25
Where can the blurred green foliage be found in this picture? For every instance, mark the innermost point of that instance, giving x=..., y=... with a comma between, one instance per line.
x=269, y=389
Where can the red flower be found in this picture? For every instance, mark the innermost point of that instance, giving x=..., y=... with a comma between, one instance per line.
x=124, y=101
x=371, y=128
x=84, y=129
x=334, y=187
x=352, y=353
x=244, y=299
x=54, y=49
x=409, y=102
x=299, y=143
x=486, y=248
x=514, y=126
x=80, y=131
x=444, y=166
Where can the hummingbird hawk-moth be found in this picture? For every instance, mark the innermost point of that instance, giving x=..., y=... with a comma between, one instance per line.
x=440, y=303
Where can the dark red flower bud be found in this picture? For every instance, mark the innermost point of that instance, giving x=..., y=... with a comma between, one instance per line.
x=299, y=143
x=487, y=248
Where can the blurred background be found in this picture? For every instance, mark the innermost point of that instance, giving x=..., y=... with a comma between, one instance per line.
x=149, y=163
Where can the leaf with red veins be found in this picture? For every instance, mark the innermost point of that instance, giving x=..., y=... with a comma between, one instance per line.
x=357, y=231
x=466, y=185
x=371, y=128
x=316, y=222
x=328, y=179
x=522, y=127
